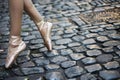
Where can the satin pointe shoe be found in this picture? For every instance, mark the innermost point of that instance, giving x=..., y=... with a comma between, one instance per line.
x=16, y=45
x=45, y=31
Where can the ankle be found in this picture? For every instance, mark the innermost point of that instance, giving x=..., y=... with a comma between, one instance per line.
x=40, y=24
x=38, y=19
x=15, y=40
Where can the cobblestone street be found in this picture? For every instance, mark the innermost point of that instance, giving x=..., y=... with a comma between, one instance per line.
x=81, y=50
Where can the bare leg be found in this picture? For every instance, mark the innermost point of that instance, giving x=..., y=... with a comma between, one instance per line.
x=16, y=11
x=32, y=11
x=16, y=45
x=43, y=27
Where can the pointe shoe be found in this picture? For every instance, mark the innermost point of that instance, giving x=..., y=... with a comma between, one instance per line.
x=45, y=30
x=16, y=45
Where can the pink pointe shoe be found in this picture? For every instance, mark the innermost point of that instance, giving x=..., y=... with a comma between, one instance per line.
x=45, y=31
x=16, y=45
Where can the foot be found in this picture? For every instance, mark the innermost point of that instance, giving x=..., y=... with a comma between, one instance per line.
x=16, y=45
x=45, y=30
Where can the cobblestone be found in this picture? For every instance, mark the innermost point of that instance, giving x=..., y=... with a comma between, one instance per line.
x=68, y=35
x=97, y=30
x=108, y=49
x=74, y=71
x=66, y=51
x=27, y=64
x=89, y=60
x=93, y=52
x=17, y=72
x=104, y=33
x=77, y=56
x=74, y=44
x=118, y=46
x=59, y=59
x=55, y=37
x=41, y=61
x=93, y=46
x=2, y=62
x=36, y=46
x=118, y=53
x=89, y=41
x=36, y=41
x=52, y=53
x=115, y=36
x=88, y=76
x=92, y=35
x=81, y=50
x=18, y=78
x=63, y=41
x=52, y=67
x=112, y=65
x=25, y=53
x=102, y=38
x=67, y=64
x=30, y=37
x=32, y=70
x=109, y=75
x=111, y=43
x=93, y=68
x=104, y=58
x=23, y=59
x=54, y=76
x=59, y=47
x=35, y=55
x=78, y=38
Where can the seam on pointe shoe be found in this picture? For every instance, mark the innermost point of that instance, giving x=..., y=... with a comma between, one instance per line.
x=40, y=24
x=14, y=36
x=15, y=40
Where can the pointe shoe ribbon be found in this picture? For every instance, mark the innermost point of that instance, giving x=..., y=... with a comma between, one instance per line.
x=40, y=24
x=45, y=30
x=16, y=45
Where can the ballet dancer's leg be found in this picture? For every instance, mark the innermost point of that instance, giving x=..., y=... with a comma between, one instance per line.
x=16, y=45
x=43, y=27
x=32, y=11
x=16, y=11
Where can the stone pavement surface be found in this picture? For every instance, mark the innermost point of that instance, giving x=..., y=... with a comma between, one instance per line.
x=81, y=51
